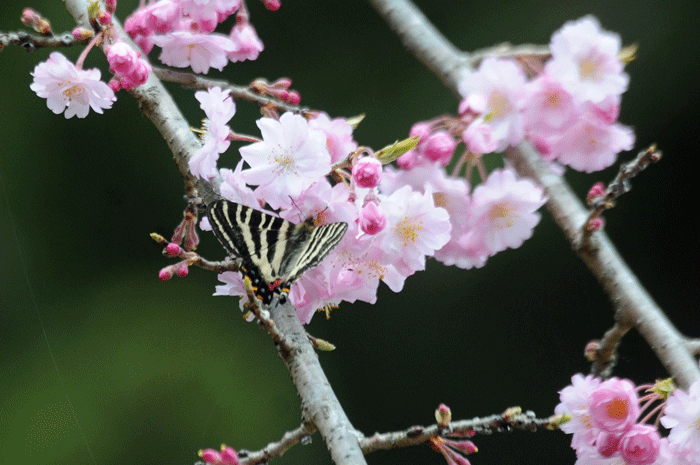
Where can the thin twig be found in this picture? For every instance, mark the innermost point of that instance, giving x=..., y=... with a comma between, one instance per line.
x=620, y=185
x=420, y=434
x=277, y=448
x=33, y=42
x=237, y=92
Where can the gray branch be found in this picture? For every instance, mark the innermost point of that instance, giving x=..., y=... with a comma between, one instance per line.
x=632, y=302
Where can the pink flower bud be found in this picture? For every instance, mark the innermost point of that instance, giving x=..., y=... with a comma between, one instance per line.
x=122, y=58
x=81, y=33
x=640, y=445
x=111, y=6
x=272, y=5
x=614, y=406
x=372, y=219
x=182, y=269
x=294, y=98
x=104, y=18
x=420, y=129
x=172, y=249
x=408, y=160
x=439, y=147
x=597, y=190
x=595, y=224
x=367, y=172
x=478, y=137
x=229, y=456
x=590, y=352
x=115, y=85
x=137, y=76
x=607, y=443
x=443, y=415
x=210, y=456
x=165, y=274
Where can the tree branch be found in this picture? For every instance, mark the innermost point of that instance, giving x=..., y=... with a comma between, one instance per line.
x=632, y=303
x=319, y=404
x=318, y=401
x=33, y=42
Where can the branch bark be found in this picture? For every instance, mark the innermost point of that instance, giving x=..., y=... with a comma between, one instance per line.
x=633, y=304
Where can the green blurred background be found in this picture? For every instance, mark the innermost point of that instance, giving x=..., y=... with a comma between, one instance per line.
x=155, y=371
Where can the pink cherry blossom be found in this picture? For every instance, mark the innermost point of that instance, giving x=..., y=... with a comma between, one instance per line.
x=232, y=286
x=415, y=229
x=198, y=51
x=290, y=158
x=549, y=107
x=614, y=405
x=248, y=44
x=234, y=188
x=682, y=416
x=502, y=84
x=585, y=60
x=67, y=88
x=339, y=141
x=591, y=144
x=162, y=16
x=478, y=137
x=503, y=210
x=219, y=108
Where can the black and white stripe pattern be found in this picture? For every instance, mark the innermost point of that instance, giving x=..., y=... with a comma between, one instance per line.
x=274, y=252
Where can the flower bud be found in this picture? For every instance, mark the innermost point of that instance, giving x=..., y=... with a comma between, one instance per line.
x=372, y=220
x=439, y=147
x=478, y=137
x=597, y=190
x=640, y=445
x=367, y=172
x=443, y=415
x=81, y=33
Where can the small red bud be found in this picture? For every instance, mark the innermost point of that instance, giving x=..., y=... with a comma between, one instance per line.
x=182, y=269
x=104, y=18
x=210, y=455
x=591, y=350
x=115, y=85
x=294, y=98
x=172, y=249
x=80, y=33
x=272, y=5
x=111, y=6
x=595, y=224
x=443, y=415
x=228, y=455
x=165, y=274
x=597, y=190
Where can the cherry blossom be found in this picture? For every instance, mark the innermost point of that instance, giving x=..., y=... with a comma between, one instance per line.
x=69, y=89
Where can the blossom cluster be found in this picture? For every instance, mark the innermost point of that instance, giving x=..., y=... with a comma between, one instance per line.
x=185, y=32
x=394, y=222
x=607, y=430
x=568, y=111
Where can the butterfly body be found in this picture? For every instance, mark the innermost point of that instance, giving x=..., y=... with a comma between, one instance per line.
x=274, y=252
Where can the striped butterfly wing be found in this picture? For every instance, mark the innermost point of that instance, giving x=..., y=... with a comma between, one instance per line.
x=274, y=252
x=316, y=243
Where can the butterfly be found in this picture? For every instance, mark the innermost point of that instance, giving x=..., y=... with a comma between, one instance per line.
x=274, y=252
